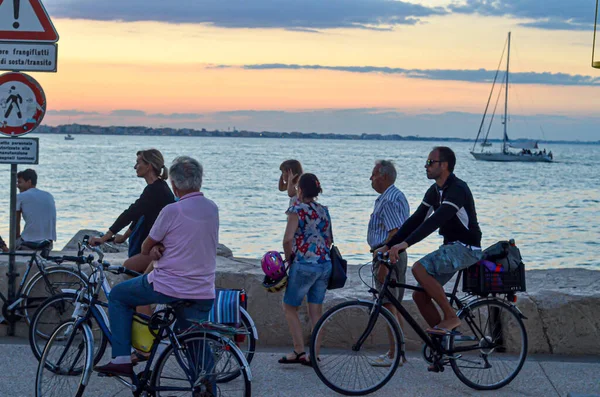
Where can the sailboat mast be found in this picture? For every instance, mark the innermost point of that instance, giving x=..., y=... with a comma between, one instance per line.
x=506, y=99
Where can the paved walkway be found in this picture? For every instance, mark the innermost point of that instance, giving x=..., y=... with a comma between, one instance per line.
x=541, y=376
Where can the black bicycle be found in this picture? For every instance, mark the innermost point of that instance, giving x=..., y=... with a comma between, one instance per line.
x=51, y=279
x=486, y=352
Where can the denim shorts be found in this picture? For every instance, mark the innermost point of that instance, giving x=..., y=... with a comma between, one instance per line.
x=449, y=259
x=308, y=280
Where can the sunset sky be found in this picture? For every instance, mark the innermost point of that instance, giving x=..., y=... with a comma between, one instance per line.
x=421, y=67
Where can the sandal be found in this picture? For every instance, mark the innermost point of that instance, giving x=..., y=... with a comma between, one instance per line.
x=297, y=360
x=308, y=363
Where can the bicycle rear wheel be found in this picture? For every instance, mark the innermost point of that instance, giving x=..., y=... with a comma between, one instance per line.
x=61, y=370
x=340, y=364
x=246, y=342
x=53, y=312
x=53, y=281
x=495, y=344
x=204, y=358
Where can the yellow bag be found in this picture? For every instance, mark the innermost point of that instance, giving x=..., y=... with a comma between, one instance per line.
x=141, y=336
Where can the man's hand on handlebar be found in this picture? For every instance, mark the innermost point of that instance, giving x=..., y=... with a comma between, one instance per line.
x=395, y=251
x=380, y=251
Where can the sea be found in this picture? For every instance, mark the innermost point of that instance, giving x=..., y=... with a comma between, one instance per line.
x=551, y=210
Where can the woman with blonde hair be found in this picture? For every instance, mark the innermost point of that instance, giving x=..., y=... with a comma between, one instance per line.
x=141, y=215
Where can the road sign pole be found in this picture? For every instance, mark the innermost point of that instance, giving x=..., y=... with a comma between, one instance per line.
x=12, y=274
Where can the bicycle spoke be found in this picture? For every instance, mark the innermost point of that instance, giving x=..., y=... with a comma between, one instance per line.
x=500, y=349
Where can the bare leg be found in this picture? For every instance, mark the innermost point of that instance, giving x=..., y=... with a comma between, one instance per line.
x=315, y=311
x=435, y=291
x=293, y=320
x=427, y=308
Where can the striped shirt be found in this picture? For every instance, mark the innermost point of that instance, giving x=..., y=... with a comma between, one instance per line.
x=390, y=211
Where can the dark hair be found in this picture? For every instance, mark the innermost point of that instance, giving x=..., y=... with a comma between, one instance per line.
x=28, y=175
x=446, y=155
x=310, y=186
x=293, y=165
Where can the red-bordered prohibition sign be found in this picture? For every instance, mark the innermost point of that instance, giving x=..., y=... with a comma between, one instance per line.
x=22, y=104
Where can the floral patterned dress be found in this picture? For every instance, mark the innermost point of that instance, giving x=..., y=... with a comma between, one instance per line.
x=313, y=236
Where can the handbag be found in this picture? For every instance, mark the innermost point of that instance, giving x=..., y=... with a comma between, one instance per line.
x=339, y=268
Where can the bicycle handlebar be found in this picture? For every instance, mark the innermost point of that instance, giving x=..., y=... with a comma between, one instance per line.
x=120, y=270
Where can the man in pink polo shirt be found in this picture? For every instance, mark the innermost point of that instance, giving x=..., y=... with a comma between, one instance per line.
x=184, y=240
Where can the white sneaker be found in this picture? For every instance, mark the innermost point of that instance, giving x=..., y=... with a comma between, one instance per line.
x=384, y=361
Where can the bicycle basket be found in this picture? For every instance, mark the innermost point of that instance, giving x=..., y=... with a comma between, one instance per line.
x=142, y=336
x=487, y=277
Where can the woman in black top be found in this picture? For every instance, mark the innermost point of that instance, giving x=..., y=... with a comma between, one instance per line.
x=142, y=214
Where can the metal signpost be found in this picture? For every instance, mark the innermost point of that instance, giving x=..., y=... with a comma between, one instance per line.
x=27, y=43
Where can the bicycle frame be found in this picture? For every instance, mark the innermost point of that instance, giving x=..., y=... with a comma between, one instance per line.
x=434, y=343
x=33, y=258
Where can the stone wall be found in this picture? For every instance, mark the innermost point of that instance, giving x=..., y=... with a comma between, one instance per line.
x=562, y=306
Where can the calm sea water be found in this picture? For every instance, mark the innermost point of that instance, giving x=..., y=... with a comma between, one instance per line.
x=551, y=210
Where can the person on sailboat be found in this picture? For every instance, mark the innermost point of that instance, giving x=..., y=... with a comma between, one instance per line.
x=454, y=215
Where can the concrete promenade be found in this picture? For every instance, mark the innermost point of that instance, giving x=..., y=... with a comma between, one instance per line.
x=541, y=376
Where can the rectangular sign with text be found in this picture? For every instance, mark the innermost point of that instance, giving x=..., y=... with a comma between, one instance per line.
x=28, y=57
x=19, y=150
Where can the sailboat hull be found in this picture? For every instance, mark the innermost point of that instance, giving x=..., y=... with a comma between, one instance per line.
x=507, y=157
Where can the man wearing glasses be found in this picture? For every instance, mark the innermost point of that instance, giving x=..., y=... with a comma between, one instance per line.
x=448, y=206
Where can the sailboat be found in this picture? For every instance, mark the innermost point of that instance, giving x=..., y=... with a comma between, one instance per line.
x=528, y=151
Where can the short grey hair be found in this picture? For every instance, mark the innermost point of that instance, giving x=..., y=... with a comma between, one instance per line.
x=186, y=173
x=387, y=168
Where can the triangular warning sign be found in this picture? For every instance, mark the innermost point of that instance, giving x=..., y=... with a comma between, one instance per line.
x=25, y=20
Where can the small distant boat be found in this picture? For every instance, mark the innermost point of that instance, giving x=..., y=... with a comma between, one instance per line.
x=69, y=137
x=528, y=150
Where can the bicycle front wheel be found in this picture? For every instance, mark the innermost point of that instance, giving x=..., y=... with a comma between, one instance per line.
x=203, y=359
x=52, y=281
x=344, y=365
x=62, y=368
x=492, y=347
x=53, y=312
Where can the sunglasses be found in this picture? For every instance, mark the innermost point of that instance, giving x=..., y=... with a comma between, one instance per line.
x=429, y=163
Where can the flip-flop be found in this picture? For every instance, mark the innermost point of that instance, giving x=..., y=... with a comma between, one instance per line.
x=442, y=331
x=297, y=360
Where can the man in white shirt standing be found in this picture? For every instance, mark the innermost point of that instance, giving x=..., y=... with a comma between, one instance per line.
x=389, y=213
x=37, y=208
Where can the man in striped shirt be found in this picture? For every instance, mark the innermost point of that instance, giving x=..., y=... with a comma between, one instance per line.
x=390, y=211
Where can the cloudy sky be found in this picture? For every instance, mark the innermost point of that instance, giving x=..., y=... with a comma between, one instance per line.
x=420, y=67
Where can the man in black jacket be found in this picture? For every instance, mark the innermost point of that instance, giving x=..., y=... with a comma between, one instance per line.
x=448, y=206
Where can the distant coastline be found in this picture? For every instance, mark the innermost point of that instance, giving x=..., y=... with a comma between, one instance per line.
x=77, y=129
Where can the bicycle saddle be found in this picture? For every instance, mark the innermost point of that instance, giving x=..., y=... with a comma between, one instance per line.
x=37, y=245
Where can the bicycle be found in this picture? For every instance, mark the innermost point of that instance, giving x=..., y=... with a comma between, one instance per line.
x=486, y=353
x=68, y=357
x=58, y=309
x=48, y=281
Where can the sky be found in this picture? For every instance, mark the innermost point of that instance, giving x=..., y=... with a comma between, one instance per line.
x=420, y=67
